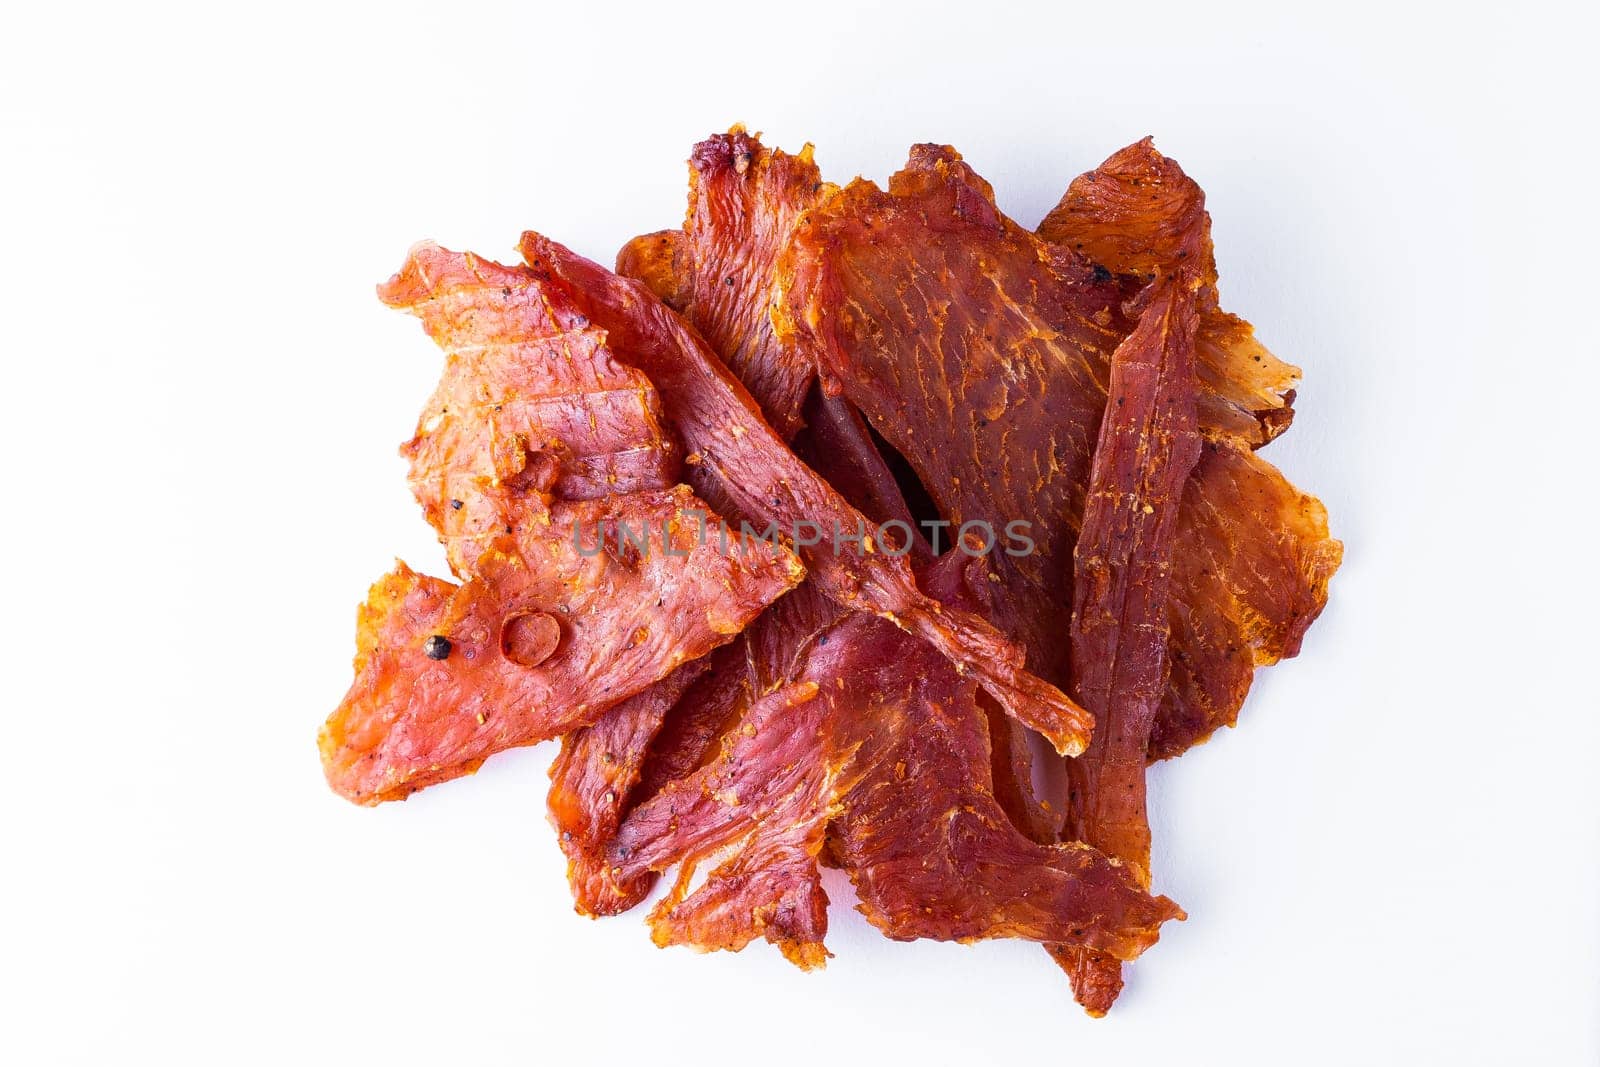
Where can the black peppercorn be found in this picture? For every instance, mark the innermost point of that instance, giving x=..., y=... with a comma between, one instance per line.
x=436, y=647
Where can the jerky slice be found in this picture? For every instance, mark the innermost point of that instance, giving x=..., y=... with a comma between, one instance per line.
x=621, y=622
x=928, y=847
x=1149, y=442
x=744, y=201
x=592, y=784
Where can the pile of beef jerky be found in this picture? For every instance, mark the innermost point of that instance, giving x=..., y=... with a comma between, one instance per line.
x=853, y=526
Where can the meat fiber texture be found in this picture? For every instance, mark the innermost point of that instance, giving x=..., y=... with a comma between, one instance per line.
x=743, y=708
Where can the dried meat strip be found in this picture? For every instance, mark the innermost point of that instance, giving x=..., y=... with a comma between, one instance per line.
x=542, y=640
x=719, y=270
x=929, y=849
x=592, y=783
x=765, y=797
x=1253, y=564
x=532, y=402
x=744, y=201
x=1123, y=561
x=745, y=471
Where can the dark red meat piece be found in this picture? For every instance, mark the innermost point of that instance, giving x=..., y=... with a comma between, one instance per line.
x=1149, y=442
x=592, y=784
x=930, y=850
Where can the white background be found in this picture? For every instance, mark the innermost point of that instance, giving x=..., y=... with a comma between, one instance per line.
x=1396, y=858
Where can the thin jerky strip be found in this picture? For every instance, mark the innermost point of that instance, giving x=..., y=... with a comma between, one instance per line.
x=1122, y=566
x=720, y=270
x=592, y=787
x=532, y=403
x=744, y=200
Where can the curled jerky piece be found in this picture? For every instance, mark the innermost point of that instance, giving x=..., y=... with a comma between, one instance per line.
x=656, y=261
x=592, y=784
x=532, y=402
x=757, y=808
x=541, y=641
x=746, y=472
x=1138, y=213
x=926, y=844
x=1255, y=560
x=1149, y=442
x=744, y=200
